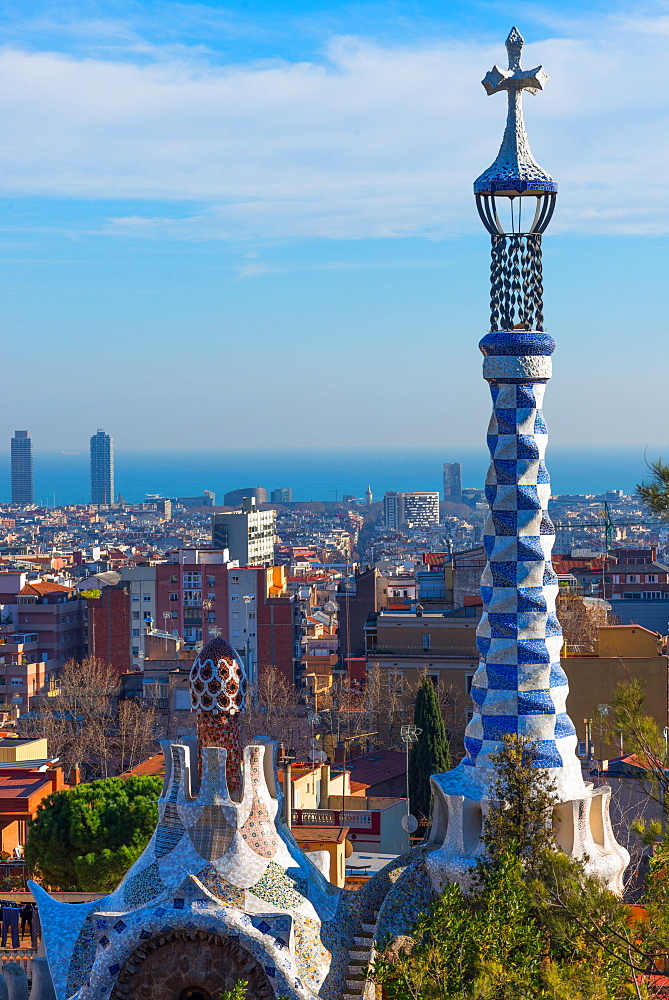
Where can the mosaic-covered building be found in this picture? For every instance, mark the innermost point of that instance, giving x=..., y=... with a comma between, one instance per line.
x=222, y=892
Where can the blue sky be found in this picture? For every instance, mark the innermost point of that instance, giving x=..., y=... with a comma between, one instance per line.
x=251, y=224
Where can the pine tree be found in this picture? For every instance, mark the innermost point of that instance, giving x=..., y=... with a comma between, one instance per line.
x=655, y=493
x=430, y=754
x=519, y=821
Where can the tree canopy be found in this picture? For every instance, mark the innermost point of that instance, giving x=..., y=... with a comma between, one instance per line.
x=86, y=838
x=532, y=927
x=430, y=754
x=655, y=492
x=86, y=724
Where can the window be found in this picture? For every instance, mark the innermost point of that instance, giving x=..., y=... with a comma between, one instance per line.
x=652, y=578
x=252, y=635
x=135, y=597
x=174, y=597
x=174, y=614
x=147, y=597
x=16, y=682
x=632, y=596
x=252, y=614
x=468, y=682
x=425, y=640
x=435, y=679
x=234, y=579
x=633, y=579
x=135, y=614
x=2, y=681
x=135, y=650
x=192, y=580
x=235, y=632
x=652, y=595
x=211, y=618
x=182, y=701
x=211, y=581
x=174, y=578
x=135, y=633
x=235, y=597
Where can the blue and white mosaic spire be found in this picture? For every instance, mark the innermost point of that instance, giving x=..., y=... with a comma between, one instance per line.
x=520, y=686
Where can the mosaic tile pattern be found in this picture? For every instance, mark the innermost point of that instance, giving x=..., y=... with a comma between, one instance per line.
x=211, y=835
x=228, y=894
x=520, y=686
x=258, y=831
x=141, y=888
x=82, y=956
x=279, y=888
x=218, y=694
x=310, y=952
x=220, y=731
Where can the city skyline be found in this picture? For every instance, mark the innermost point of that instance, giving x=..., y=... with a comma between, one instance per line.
x=187, y=191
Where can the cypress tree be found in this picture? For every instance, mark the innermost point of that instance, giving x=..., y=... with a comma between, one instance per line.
x=430, y=754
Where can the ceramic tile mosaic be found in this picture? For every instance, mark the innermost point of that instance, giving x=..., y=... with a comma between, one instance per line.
x=82, y=956
x=259, y=832
x=211, y=835
x=519, y=687
x=228, y=894
x=279, y=888
x=141, y=888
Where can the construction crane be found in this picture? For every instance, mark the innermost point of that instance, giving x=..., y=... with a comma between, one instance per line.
x=610, y=525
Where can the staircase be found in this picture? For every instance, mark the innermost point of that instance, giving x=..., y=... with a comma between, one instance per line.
x=360, y=957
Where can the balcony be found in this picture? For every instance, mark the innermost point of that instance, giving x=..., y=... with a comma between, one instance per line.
x=357, y=819
x=433, y=652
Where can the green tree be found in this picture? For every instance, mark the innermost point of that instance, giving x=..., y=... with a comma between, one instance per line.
x=533, y=925
x=641, y=736
x=86, y=838
x=520, y=820
x=430, y=754
x=655, y=492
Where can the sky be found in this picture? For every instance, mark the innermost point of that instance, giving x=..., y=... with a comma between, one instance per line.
x=251, y=225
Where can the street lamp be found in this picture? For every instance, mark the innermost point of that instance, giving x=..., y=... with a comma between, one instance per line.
x=250, y=671
x=409, y=735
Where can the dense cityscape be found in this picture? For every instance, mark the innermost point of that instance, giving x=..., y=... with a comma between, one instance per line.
x=410, y=744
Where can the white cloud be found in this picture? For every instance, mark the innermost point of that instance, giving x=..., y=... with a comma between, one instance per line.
x=375, y=141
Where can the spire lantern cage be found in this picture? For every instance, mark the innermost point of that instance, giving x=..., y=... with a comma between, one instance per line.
x=515, y=199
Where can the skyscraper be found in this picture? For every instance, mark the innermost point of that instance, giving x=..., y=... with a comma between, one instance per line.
x=453, y=482
x=102, y=469
x=22, y=468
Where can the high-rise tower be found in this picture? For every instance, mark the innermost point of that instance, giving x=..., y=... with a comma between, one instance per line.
x=453, y=482
x=520, y=686
x=102, y=469
x=22, y=468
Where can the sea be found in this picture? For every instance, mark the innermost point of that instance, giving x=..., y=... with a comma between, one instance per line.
x=323, y=474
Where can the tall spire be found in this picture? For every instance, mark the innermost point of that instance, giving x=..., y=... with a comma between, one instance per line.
x=520, y=688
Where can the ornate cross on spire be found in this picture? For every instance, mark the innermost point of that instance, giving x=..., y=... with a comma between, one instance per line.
x=514, y=78
x=515, y=169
